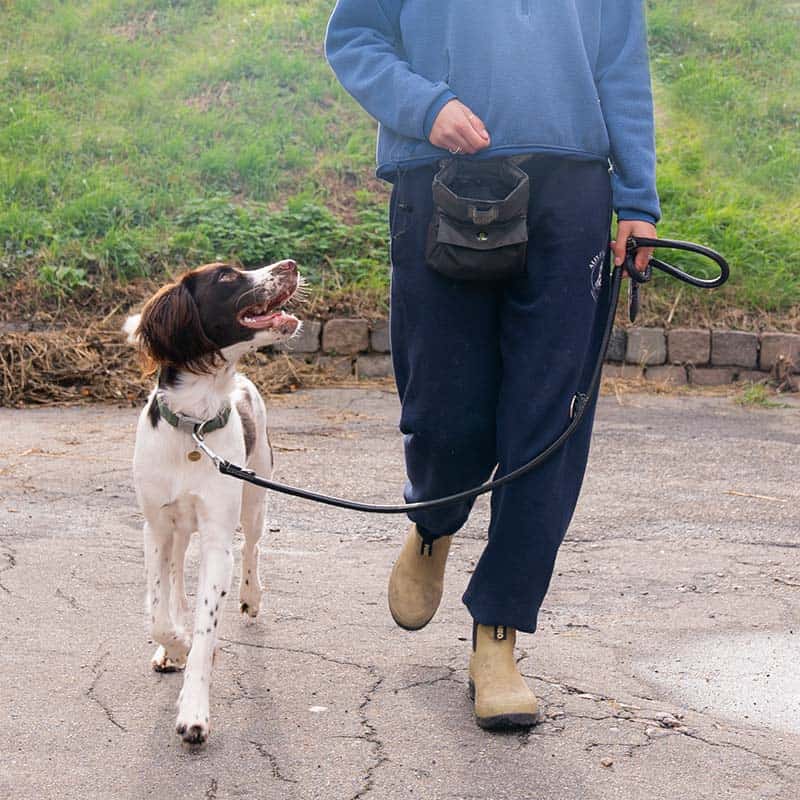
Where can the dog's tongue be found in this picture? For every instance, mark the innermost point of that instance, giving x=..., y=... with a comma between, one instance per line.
x=261, y=320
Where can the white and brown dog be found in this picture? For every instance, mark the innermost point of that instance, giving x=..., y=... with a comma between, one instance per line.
x=194, y=331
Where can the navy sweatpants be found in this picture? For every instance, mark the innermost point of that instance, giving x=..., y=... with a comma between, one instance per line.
x=486, y=374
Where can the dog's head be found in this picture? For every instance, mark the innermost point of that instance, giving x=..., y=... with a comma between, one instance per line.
x=214, y=314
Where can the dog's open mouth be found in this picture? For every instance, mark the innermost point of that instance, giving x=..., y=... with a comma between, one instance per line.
x=267, y=314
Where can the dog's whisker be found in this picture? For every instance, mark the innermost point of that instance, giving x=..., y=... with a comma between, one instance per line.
x=255, y=291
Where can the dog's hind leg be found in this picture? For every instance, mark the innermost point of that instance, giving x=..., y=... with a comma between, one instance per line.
x=253, y=510
x=180, y=602
x=172, y=640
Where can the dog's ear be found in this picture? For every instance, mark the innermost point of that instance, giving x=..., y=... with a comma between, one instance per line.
x=131, y=329
x=171, y=334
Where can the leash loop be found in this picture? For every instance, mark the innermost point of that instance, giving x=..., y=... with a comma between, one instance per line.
x=639, y=277
x=635, y=242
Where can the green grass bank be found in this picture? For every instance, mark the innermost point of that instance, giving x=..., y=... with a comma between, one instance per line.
x=140, y=137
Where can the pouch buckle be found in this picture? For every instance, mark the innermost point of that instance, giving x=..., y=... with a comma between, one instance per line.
x=485, y=216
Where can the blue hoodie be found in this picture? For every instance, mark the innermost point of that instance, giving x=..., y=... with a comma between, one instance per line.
x=558, y=76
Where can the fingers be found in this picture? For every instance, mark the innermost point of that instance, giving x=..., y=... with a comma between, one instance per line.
x=643, y=257
x=461, y=137
x=468, y=138
x=476, y=123
x=458, y=129
x=618, y=246
x=633, y=227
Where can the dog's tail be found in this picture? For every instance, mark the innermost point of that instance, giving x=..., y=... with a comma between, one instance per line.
x=131, y=329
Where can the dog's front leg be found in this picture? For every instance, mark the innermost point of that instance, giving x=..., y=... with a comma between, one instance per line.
x=216, y=567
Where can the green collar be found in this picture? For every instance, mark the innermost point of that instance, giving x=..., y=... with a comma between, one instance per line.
x=188, y=424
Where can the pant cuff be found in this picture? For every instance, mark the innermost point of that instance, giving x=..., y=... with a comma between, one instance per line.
x=510, y=615
x=429, y=536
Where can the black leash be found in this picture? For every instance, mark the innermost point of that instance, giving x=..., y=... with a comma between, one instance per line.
x=580, y=401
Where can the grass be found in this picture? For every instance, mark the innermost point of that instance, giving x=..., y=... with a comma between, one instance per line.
x=138, y=137
x=758, y=395
x=729, y=139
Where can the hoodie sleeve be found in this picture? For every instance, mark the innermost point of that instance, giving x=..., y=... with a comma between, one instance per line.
x=623, y=85
x=363, y=47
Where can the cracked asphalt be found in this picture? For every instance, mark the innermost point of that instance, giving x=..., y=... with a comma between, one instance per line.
x=681, y=569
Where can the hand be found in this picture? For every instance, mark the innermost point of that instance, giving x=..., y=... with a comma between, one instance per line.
x=457, y=129
x=633, y=227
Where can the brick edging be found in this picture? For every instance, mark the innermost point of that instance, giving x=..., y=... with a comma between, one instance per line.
x=356, y=347
x=680, y=355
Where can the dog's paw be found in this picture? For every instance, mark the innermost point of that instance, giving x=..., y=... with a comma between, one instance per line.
x=173, y=650
x=250, y=598
x=192, y=722
x=161, y=662
x=194, y=732
x=248, y=610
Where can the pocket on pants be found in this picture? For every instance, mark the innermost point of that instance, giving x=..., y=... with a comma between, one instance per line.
x=400, y=209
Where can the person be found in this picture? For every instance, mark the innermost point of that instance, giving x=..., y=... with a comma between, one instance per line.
x=487, y=371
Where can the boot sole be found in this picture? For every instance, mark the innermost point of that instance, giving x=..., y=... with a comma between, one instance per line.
x=504, y=722
x=409, y=627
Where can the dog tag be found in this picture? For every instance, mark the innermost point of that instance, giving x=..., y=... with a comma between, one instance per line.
x=194, y=455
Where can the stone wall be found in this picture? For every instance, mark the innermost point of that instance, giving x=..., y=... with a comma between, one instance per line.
x=358, y=348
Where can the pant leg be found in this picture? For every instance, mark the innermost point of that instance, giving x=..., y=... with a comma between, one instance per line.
x=444, y=342
x=551, y=323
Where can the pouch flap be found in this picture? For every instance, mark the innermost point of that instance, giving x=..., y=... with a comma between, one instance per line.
x=474, y=237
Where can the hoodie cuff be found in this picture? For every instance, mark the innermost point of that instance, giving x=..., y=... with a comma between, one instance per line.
x=436, y=106
x=634, y=214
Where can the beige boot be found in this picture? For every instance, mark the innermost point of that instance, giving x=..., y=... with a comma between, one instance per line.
x=417, y=580
x=502, y=698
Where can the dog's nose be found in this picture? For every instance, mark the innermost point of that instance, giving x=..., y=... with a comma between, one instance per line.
x=286, y=266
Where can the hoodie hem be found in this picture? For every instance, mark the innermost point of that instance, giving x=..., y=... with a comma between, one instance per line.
x=387, y=170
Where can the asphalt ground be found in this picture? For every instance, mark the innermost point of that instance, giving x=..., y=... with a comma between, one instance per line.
x=666, y=658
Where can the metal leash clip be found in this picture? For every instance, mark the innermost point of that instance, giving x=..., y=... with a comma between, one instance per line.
x=197, y=435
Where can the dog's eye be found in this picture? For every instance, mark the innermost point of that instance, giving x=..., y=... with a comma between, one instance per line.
x=228, y=276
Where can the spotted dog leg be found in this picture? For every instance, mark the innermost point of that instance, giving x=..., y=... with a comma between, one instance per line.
x=173, y=642
x=253, y=508
x=216, y=567
x=180, y=602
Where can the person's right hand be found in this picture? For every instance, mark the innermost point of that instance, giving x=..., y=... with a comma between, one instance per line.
x=459, y=130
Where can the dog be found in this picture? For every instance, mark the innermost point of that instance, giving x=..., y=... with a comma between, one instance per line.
x=193, y=331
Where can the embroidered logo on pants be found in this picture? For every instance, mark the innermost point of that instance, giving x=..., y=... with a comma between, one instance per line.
x=596, y=274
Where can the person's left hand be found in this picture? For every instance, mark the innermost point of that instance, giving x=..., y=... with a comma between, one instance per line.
x=633, y=227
